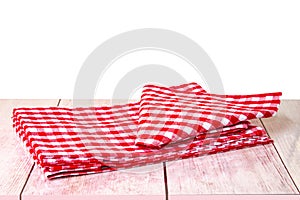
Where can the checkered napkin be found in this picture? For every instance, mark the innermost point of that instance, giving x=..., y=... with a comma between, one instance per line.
x=169, y=115
x=75, y=141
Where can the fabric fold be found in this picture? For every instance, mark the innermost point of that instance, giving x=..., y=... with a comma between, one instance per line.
x=169, y=115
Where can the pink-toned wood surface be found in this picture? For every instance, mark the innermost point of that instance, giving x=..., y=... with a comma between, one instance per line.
x=284, y=128
x=256, y=170
x=15, y=165
x=112, y=185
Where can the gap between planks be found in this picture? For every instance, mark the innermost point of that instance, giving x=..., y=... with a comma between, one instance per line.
x=15, y=163
x=284, y=128
x=280, y=157
x=166, y=180
x=20, y=196
x=29, y=174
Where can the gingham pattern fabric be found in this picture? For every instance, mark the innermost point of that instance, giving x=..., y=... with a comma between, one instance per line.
x=169, y=115
x=75, y=141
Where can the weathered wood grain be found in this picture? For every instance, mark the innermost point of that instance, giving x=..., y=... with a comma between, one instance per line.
x=111, y=185
x=256, y=170
x=284, y=128
x=14, y=163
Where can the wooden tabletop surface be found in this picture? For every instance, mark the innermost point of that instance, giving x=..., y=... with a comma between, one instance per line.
x=265, y=169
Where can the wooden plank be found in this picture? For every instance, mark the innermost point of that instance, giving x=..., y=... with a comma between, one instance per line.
x=256, y=170
x=284, y=128
x=111, y=185
x=14, y=163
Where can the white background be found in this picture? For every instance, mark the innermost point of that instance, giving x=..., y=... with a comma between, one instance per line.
x=254, y=44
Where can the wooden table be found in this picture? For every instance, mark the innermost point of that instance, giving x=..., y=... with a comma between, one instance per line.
x=267, y=169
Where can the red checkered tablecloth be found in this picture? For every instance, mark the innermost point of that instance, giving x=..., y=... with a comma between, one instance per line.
x=75, y=141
